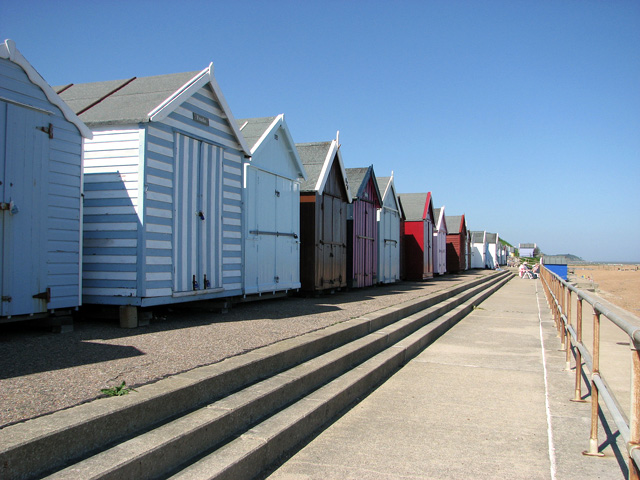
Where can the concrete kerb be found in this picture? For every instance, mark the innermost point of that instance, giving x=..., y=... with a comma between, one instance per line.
x=262, y=445
x=86, y=427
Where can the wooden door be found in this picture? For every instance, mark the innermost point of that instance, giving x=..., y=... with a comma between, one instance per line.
x=196, y=251
x=24, y=167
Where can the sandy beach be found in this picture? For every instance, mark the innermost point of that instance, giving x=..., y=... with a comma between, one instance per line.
x=618, y=284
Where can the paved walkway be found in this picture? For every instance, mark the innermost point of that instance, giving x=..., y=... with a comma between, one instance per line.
x=488, y=400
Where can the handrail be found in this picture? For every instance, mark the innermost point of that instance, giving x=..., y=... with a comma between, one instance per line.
x=558, y=293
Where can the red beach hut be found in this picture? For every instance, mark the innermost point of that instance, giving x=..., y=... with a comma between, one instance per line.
x=417, y=233
x=362, y=228
x=457, y=250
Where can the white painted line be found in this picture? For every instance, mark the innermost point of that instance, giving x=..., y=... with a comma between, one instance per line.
x=552, y=448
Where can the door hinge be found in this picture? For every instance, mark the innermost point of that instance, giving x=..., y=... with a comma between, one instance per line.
x=6, y=298
x=48, y=130
x=46, y=295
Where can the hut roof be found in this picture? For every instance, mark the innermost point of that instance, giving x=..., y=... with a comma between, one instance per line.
x=9, y=51
x=415, y=205
x=454, y=223
x=142, y=99
x=477, y=236
x=255, y=130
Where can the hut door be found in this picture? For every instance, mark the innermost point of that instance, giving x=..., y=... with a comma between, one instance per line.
x=287, y=257
x=196, y=252
x=24, y=166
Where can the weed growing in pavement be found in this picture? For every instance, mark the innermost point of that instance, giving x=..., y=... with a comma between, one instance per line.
x=117, y=391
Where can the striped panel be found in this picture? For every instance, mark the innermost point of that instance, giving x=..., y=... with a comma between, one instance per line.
x=111, y=212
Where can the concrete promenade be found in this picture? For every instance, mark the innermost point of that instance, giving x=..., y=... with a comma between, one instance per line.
x=488, y=400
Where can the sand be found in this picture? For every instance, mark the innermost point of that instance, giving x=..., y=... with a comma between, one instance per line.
x=619, y=285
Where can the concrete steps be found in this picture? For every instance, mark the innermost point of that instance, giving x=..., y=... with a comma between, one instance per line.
x=234, y=418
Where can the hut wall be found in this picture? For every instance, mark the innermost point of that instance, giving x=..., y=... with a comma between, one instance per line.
x=363, y=240
x=42, y=176
x=416, y=256
x=388, y=245
x=323, y=221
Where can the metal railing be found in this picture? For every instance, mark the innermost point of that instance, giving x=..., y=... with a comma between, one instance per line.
x=559, y=297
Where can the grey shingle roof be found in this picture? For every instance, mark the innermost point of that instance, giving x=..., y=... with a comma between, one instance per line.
x=413, y=205
x=313, y=156
x=253, y=128
x=436, y=214
x=130, y=104
x=492, y=237
x=356, y=178
x=453, y=223
x=383, y=182
x=477, y=237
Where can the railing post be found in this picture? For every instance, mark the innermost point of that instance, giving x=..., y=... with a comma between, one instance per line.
x=595, y=407
x=568, y=355
x=563, y=332
x=634, y=420
x=578, y=390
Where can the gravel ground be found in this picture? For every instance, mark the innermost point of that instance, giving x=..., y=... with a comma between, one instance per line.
x=42, y=372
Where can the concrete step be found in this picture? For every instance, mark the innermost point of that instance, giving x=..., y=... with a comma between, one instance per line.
x=253, y=452
x=168, y=411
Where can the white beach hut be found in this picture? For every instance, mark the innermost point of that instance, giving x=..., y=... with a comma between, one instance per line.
x=439, y=242
x=478, y=249
x=163, y=191
x=389, y=217
x=272, y=206
x=40, y=185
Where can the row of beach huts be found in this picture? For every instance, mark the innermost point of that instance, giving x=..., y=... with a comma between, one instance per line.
x=147, y=191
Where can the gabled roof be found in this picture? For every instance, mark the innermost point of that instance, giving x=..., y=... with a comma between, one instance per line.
x=416, y=206
x=317, y=158
x=440, y=220
x=9, y=51
x=478, y=236
x=358, y=179
x=492, y=237
x=454, y=223
x=256, y=130
x=145, y=99
x=387, y=185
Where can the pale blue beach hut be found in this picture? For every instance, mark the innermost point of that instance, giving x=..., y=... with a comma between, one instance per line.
x=272, y=207
x=40, y=193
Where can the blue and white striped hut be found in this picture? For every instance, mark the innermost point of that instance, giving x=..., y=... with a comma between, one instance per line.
x=40, y=188
x=162, y=190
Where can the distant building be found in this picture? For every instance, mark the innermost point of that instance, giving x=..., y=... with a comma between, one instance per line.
x=527, y=249
x=557, y=264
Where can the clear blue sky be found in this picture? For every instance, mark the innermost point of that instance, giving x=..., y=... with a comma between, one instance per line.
x=523, y=115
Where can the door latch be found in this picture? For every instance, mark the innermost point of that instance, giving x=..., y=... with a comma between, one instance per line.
x=48, y=130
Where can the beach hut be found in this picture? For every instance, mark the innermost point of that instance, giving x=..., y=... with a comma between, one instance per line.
x=163, y=191
x=558, y=264
x=41, y=191
x=362, y=227
x=478, y=249
x=527, y=249
x=417, y=231
x=440, y=242
x=324, y=197
x=456, y=243
x=493, y=246
x=272, y=207
x=389, y=218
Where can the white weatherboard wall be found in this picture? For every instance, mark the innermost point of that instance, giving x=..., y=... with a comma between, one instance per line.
x=389, y=237
x=145, y=186
x=40, y=177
